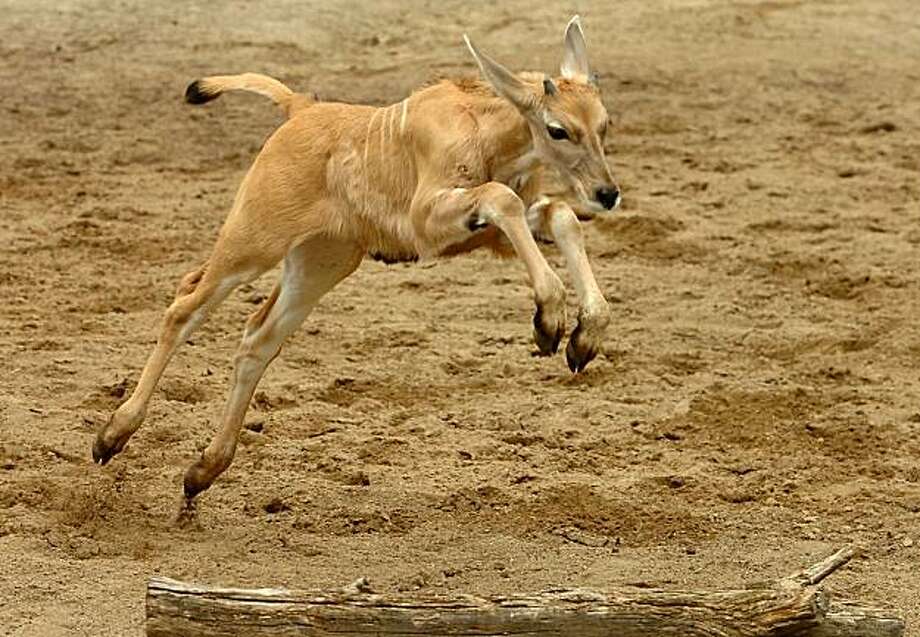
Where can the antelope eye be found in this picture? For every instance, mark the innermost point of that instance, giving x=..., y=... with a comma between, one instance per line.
x=557, y=132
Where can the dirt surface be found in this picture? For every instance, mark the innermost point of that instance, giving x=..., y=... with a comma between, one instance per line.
x=756, y=406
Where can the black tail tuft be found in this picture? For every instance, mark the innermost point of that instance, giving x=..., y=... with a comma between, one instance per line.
x=195, y=95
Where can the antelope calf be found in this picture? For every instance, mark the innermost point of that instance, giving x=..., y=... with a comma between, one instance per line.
x=453, y=167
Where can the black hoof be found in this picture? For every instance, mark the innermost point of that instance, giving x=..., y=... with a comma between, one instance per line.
x=547, y=342
x=577, y=354
x=191, y=488
x=195, y=481
x=102, y=452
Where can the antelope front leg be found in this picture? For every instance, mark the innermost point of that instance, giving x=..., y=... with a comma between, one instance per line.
x=452, y=215
x=559, y=221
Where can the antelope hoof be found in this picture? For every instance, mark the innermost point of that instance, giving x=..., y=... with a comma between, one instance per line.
x=580, y=351
x=547, y=336
x=104, y=451
x=112, y=438
x=198, y=477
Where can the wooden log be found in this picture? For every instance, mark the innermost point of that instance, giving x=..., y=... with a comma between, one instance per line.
x=849, y=619
x=176, y=609
x=791, y=606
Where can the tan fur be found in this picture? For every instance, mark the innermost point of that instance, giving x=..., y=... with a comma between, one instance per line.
x=453, y=167
x=269, y=87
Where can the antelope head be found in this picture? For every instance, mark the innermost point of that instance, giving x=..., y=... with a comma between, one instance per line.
x=567, y=119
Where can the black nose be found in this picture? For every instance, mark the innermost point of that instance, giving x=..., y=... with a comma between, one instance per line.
x=608, y=197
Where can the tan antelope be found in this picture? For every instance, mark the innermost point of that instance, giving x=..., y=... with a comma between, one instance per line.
x=453, y=167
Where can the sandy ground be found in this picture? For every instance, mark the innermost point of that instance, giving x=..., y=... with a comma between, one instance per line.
x=756, y=405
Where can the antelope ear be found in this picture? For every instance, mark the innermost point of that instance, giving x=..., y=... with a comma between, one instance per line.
x=575, y=53
x=505, y=83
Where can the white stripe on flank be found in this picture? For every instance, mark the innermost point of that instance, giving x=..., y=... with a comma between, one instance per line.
x=367, y=143
x=405, y=116
x=385, y=125
x=367, y=138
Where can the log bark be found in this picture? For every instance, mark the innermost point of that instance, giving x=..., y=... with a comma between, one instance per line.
x=792, y=606
x=849, y=619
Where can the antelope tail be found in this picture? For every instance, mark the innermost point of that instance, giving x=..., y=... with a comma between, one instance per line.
x=210, y=88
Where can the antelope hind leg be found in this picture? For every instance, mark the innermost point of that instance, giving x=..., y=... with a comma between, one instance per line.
x=311, y=269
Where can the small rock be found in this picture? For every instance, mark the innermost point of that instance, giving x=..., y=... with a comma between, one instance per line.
x=819, y=429
x=675, y=482
x=907, y=542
